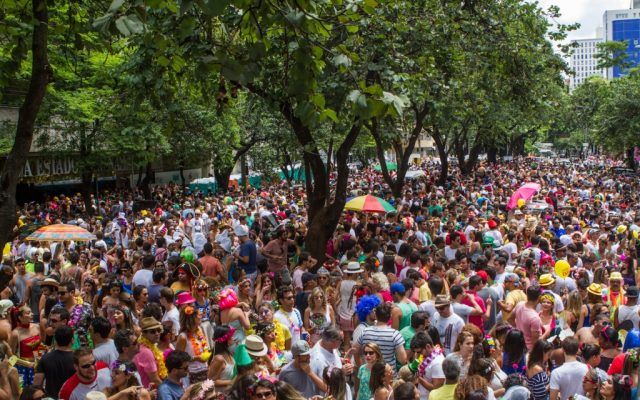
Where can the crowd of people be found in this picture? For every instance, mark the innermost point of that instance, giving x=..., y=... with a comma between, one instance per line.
x=454, y=295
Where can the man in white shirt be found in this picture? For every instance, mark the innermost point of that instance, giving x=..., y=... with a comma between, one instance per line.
x=171, y=311
x=104, y=349
x=566, y=380
x=433, y=376
x=325, y=354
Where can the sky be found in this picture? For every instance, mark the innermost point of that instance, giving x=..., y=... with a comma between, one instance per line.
x=587, y=12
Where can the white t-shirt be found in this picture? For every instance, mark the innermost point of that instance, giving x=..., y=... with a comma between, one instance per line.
x=143, y=277
x=322, y=358
x=463, y=311
x=173, y=315
x=433, y=371
x=629, y=313
x=568, y=379
x=106, y=352
x=449, y=328
x=292, y=321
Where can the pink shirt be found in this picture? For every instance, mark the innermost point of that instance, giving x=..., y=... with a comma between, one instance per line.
x=528, y=321
x=146, y=364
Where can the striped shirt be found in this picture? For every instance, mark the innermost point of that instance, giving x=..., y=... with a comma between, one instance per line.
x=387, y=338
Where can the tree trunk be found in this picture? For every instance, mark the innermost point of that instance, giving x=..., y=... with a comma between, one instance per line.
x=467, y=167
x=492, y=154
x=86, y=190
x=630, y=159
x=14, y=164
x=222, y=178
x=148, y=179
x=444, y=160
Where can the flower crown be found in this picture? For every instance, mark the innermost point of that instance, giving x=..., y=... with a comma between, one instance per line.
x=226, y=336
x=206, y=387
x=122, y=367
x=265, y=329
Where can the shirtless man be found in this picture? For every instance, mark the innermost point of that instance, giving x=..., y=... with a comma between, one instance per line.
x=590, y=334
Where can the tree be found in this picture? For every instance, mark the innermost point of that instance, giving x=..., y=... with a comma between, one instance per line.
x=24, y=26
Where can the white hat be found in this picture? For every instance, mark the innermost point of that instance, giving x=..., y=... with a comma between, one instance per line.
x=353, y=268
x=240, y=230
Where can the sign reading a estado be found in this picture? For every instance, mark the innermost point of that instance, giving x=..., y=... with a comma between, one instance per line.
x=48, y=168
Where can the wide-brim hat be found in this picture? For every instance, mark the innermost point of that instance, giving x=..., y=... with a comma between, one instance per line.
x=442, y=300
x=149, y=323
x=595, y=289
x=615, y=276
x=185, y=298
x=546, y=280
x=353, y=268
x=50, y=282
x=255, y=346
x=189, y=268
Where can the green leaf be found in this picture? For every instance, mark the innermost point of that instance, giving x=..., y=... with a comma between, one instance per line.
x=115, y=6
x=213, y=8
x=318, y=100
x=164, y=61
x=328, y=113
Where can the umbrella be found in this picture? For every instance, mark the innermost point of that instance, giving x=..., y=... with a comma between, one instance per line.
x=60, y=232
x=525, y=192
x=390, y=167
x=370, y=204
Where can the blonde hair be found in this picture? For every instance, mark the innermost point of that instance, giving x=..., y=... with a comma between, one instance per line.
x=381, y=279
x=574, y=303
x=312, y=297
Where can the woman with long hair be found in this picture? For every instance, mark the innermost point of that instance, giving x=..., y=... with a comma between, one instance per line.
x=380, y=381
x=267, y=332
x=550, y=323
x=109, y=298
x=288, y=392
x=265, y=290
x=575, y=312
x=336, y=383
x=513, y=355
x=591, y=384
x=537, y=377
x=617, y=387
x=240, y=389
x=372, y=355
x=201, y=294
x=473, y=383
x=488, y=350
x=222, y=368
x=318, y=315
x=462, y=352
x=24, y=342
x=124, y=383
x=89, y=290
x=121, y=318
x=167, y=338
x=193, y=341
x=608, y=342
x=234, y=313
x=141, y=298
x=484, y=367
x=591, y=354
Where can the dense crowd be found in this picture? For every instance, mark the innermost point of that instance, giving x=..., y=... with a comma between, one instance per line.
x=454, y=295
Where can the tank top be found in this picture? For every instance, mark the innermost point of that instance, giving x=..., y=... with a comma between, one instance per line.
x=407, y=309
x=36, y=291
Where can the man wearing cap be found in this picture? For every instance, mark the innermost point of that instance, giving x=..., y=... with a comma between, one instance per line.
x=629, y=311
x=149, y=360
x=246, y=254
x=514, y=295
x=299, y=373
x=448, y=324
x=494, y=233
x=401, y=313
x=326, y=353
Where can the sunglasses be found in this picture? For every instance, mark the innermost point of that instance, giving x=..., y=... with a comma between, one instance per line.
x=202, y=289
x=264, y=395
x=89, y=365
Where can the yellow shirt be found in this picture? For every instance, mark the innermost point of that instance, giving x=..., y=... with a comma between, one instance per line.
x=513, y=297
x=444, y=392
x=424, y=293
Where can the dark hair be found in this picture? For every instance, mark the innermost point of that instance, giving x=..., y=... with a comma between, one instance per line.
x=621, y=387
x=474, y=281
x=590, y=350
x=176, y=358
x=434, y=335
x=536, y=355
x=513, y=380
x=419, y=318
x=420, y=340
x=336, y=382
x=137, y=292
x=152, y=310
x=436, y=285
x=167, y=294
x=218, y=332
x=570, y=345
x=64, y=335
x=121, y=339
x=383, y=311
x=404, y=391
x=62, y=312
x=455, y=291
x=101, y=326
x=533, y=293
x=515, y=346
x=158, y=274
x=28, y=393
x=376, y=379
x=284, y=290
x=242, y=383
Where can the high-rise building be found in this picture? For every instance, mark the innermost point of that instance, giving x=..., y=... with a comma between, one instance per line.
x=624, y=25
x=583, y=62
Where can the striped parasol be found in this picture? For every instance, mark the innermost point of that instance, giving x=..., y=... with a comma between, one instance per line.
x=60, y=232
x=368, y=203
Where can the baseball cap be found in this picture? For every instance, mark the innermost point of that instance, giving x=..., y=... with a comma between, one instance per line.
x=300, y=348
x=398, y=288
x=483, y=275
x=632, y=292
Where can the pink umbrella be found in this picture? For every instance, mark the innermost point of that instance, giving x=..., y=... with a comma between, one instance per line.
x=525, y=192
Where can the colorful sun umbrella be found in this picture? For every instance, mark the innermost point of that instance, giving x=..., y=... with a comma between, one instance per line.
x=370, y=204
x=60, y=232
x=525, y=192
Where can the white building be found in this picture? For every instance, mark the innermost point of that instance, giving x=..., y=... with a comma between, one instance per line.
x=583, y=62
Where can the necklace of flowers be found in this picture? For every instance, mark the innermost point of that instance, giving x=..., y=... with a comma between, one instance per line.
x=157, y=355
x=198, y=342
x=437, y=350
x=293, y=325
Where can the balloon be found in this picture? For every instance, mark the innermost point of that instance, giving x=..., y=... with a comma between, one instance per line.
x=520, y=203
x=562, y=268
x=635, y=234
